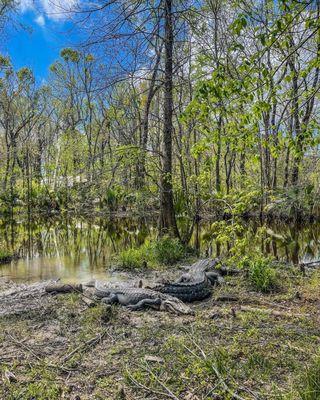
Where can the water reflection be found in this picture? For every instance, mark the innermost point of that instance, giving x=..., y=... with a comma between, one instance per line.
x=78, y=249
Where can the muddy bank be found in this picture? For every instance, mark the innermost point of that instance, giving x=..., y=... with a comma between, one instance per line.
x=238, y=343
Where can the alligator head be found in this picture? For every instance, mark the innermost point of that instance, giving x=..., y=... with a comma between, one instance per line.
x=176, y=306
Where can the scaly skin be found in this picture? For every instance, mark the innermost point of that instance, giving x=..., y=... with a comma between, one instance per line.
x=138, y=298
x=194, y=285
x=186, y=291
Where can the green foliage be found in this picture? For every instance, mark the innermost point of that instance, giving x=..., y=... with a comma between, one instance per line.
x=311, y=381
x=181, y=202
x=133, y=258
x=70, y=55
x=44, y=390
x=25, y=75
x=42, y=385
x=294, y=202
x=165, y=251
x=240, y=202
x=262, y=275
x=111, y=198
x=4, y=62
x=6, y=255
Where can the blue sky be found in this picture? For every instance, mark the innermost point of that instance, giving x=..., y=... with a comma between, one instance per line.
x=43, y=34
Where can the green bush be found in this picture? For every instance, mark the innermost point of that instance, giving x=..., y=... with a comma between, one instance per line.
x=165, y=251
x=294, y=202
x=311, y=381
x=6, y=256
x=133, y=258
x=262, y=275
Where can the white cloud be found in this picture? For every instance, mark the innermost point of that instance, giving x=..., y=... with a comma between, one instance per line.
x=26, y=5
x=40, y=20
x=58, y=9
x=52, y=9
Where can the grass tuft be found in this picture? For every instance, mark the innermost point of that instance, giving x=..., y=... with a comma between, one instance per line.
x=262, y=275
x=165, y=251
x=311, y=381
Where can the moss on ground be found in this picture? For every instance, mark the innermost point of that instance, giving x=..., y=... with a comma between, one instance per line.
x=221, y=351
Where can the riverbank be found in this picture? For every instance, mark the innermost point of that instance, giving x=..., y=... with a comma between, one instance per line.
x=293, y=204
x=239, y=343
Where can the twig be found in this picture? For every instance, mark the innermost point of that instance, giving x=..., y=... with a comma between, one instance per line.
x=143, y=387
x=88, y=343
x=169, y=393
x=272, y=312
x=219, y=376
x=24, y=346
x=50, y=365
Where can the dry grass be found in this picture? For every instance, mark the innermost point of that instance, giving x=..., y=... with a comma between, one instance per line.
x=67, y=350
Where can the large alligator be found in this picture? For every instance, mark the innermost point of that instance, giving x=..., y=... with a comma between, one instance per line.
x=195, y=284
x=140, y=298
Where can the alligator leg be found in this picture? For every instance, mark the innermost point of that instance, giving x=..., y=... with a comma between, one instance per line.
x=113, y=298
x=145, y=303
x=184, y=278
x=214, y=277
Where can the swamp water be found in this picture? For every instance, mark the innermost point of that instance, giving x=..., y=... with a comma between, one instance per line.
x=79, y=249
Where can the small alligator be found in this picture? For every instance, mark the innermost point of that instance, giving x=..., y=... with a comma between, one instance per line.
x=139, y=298
x=194, y=285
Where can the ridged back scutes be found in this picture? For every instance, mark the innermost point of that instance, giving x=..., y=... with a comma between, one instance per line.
x=203, y=265
x=101, y=290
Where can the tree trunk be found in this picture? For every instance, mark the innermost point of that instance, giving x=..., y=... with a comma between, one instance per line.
x=218, y=177
x=167, y=221
x=145, y=122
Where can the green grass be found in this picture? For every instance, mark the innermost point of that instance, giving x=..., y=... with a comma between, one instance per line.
x=164, y=251
x=311, y=381
x=262, y=275
x=252, y=354
x=133, y=258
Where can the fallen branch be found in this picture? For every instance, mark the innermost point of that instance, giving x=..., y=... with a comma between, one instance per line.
x=168, y=391
x=226, y=297
x=63, y=288
x=217, y=373
x=271, y=312
x=40, y=359
x=84, y=346
x=146, y=388
x=311, y=264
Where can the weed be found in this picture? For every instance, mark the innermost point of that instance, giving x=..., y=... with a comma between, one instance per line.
x=42, y=385
x=262, y=276
x=133, y=258
x=311, y=381
x=166, y=251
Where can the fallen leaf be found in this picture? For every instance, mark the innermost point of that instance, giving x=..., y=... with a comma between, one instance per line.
x=153, y=359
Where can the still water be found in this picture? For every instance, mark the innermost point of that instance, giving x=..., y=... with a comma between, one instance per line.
x=80, y=249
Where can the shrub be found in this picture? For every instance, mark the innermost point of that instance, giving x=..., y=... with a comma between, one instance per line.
x=294, y=202
x=165, y=251
x=262, y=275
x=311, y=381
x=133, y=258
x=168, y=251
x=6, y=256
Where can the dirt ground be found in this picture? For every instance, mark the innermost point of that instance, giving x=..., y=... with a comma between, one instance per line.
x=239, y=345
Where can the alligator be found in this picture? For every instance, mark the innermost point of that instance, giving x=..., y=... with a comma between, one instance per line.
x=194, y=285
x=140, y=298
x=203, y=267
